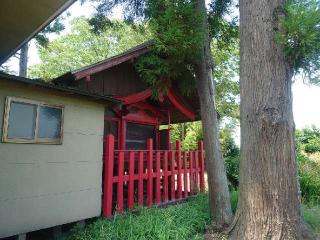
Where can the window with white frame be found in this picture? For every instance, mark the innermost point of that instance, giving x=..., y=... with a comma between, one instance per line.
x=28, y=121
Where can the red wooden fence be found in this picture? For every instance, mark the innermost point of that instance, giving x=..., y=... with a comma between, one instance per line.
x=149, y=177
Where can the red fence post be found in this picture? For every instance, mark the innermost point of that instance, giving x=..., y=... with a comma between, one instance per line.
x=140, y=183
x=185, y=175
x=150, y=171
x=172, y=168
x=120, y=182
x=201, y=163
x=158, y=189
x=165, y=177
x=131, y=181
x=191, y=172
x=108, y=175
x=179, y=185
x=196, y=174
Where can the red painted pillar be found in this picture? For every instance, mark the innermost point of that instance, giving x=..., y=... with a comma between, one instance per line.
x=201, y=163
x=120, y=182
x=178, y=160
x=158, y=189
x=150, y=171
x=165, y=177
x=123, y=134
x=196, y=174
x=191, y=172
x=131, y=180
x=140, y=182
x=108, y=175
x=172, y=168
x=185, y=175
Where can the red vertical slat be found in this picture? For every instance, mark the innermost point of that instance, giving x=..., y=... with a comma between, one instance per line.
x=191, y=172
x=131, y=180
x=196, y=174
x=140, y=183
x=201, y=163
x=120, y=182
x=108, y=175
x=172, y=166
x=158, y=189
x=165, y=176
x=178, y=160
x=185, y=175
x=150, y=171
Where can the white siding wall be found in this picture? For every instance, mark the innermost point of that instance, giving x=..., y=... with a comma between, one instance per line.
x=46, y=185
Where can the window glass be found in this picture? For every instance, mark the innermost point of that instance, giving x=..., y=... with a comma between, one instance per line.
x=22, y=120
x=137, y=136
x=49, y=122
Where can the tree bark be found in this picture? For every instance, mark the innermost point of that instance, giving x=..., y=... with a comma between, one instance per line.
x=23, y=61
x=219, y=198
x=269, y=200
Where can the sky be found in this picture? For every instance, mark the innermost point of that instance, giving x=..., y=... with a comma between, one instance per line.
x=306, y=98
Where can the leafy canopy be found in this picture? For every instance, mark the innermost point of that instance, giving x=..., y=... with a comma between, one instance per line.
x=177, y=34
x=300, y=37
x=82, y=47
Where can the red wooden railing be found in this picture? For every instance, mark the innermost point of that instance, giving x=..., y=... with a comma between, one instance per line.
x=149, y=177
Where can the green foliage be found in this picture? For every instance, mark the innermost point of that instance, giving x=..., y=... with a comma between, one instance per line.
x=183, y=221
x=300, y=36
x=54, y=27
x=177, y=33
x=191, y=134
x=232, y=164
x=309, y=177
x=226, y=74
x=234, y=196
x=82, y=47
x=308, y=139
x=133, y=10
x=224, y=32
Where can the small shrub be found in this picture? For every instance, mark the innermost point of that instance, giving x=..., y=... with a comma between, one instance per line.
x=232, y=164
x=309, y=177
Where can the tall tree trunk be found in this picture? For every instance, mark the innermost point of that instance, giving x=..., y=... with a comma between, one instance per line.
x=23, y=61
x=269, y=201
x=219, y=198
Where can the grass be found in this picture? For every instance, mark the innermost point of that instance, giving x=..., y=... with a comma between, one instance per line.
x=181, y=221
x=312, y=217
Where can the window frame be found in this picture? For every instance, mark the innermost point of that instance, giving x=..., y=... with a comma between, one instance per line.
x=36, y=140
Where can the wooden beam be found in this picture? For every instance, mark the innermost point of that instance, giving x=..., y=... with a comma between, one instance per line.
x=134, y=98
x=178, y=104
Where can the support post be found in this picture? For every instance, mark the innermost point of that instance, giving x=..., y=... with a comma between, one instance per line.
x=172, y=178
x=150, y=171
x=120, y=182
x=158, y=188
x=201, y=162
x=140, y=183
x=165, y=177
x=191, y=172
x=196, y=169
x=108, y=175
x=185, y=175
x=178, y=160
x=131, y=180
